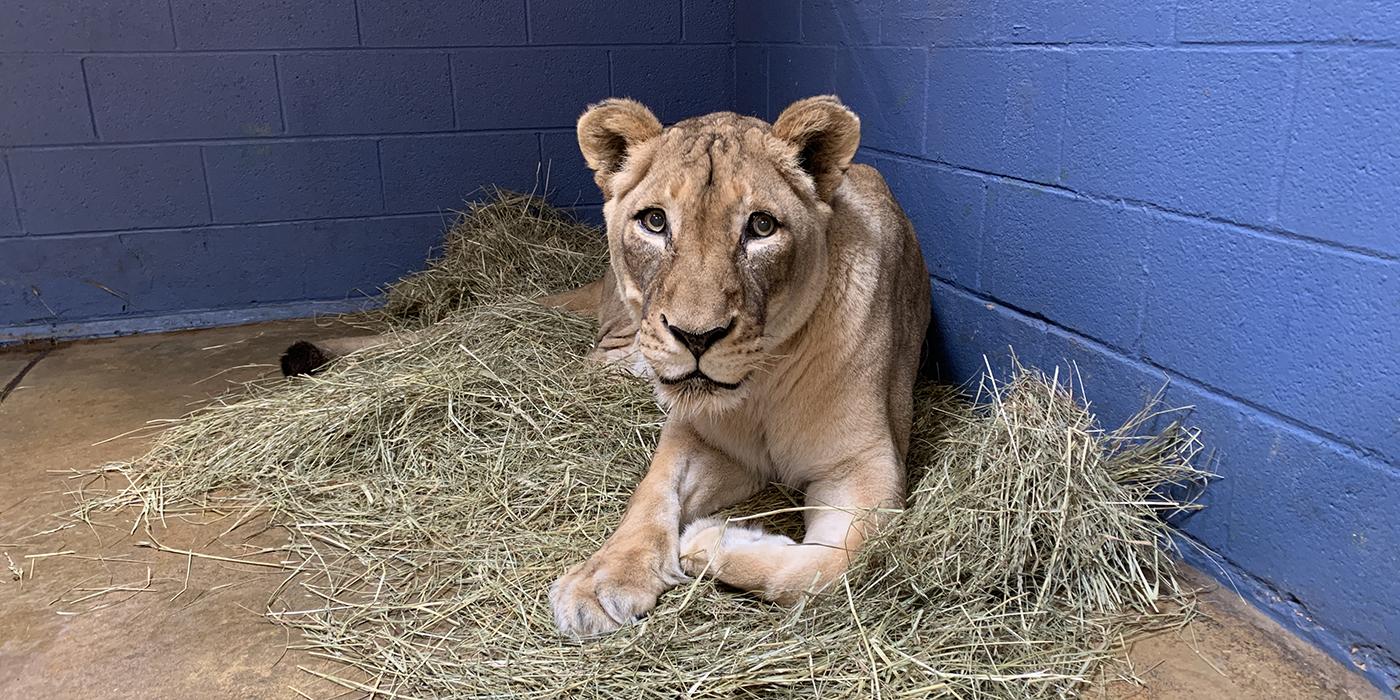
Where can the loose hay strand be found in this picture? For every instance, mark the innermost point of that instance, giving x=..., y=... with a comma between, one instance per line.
x=431, y=491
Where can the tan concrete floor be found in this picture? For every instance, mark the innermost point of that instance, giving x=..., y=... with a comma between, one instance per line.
x=179, y=630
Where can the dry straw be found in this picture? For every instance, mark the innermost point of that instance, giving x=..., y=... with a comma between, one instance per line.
x=431, y=490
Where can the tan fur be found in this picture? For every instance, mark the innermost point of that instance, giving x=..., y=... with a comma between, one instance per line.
x=824, y=321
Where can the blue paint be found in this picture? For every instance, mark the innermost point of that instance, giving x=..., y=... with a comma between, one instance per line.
x=751, y=81
x=153, y=98
x=9, y=216
x=270, y=24
x=886, y=87
x=974, y=334
x=563, y=174
x=172, y=272
x=439, y=173
x=1310, y=524
x=795, y=72
x=849, y=22
x=1191, y=130
x=1199, y=193
x=768, y=20
x=154, y=154
x=1079, y=21
x=527, y=87
x=135, y=324
x=619, y=22
x=937, y=22
x=1288, y=21
x=480, y=22
x=1091, y=250
x=283, y=180
x=369, y=93
x=665, y=79
x=86, y=25
x=1015, y=99
x=1342, y=165
x=108, y=187
x=1203, y=196
x=1299, y=329
x=707, y=21
x=44, y=100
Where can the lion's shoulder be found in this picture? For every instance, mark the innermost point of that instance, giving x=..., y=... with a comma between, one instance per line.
x=866, y=207
x=877, y=270
x=866, y=178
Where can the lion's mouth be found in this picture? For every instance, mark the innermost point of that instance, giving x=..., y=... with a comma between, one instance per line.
x=699, y=380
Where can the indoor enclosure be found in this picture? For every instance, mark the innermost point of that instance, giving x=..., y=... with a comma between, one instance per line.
x=1190, y=194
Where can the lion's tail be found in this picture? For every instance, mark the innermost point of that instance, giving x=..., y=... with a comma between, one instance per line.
x=306, y=357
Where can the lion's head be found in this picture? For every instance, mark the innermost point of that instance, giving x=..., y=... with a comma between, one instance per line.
x=717, y=234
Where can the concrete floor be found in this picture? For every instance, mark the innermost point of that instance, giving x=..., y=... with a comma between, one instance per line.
x=177, y=628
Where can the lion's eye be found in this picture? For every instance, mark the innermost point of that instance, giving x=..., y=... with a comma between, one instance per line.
x=762, y=224
x=654, y=220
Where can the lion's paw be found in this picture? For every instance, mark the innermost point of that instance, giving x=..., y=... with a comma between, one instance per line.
x=602, y=594
x=704, y=541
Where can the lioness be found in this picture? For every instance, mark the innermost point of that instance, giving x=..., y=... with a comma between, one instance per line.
x=776, y=295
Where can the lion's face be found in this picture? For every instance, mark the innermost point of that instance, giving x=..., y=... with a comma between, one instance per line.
x=715, y=253
x=717, y=232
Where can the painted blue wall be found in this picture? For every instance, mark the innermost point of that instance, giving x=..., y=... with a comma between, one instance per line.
x=171, y=163
x=1200, y=192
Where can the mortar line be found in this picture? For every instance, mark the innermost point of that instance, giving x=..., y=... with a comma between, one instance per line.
x=87, y=94
x=983, y=231
x=924, y=100
x=1198, y=47
x=283, y=138
x=767, y=83
x=452, y=90
x=1064, y=121
x=734, y=78
x=1288, y=133
x=379, y=168
x=277, y=85
x=219, y=226
x=388, y=48
x=13, y=189
x=208, y=190
x=359, y=38
x=542, y=170
x=174, y=36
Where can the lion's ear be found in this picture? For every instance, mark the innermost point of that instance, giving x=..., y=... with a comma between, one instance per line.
x=826, y=134
x=608, y=130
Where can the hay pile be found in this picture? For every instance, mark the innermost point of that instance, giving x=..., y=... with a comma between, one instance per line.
x=431, y=492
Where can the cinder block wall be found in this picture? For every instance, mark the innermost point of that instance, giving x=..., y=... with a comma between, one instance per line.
x=1205, y=193
x=173, y=163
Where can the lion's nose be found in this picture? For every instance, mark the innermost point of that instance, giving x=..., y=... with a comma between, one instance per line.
x=699, y=342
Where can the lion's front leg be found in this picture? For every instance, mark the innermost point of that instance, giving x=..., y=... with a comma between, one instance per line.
x=623, y=579
x=844, y=511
